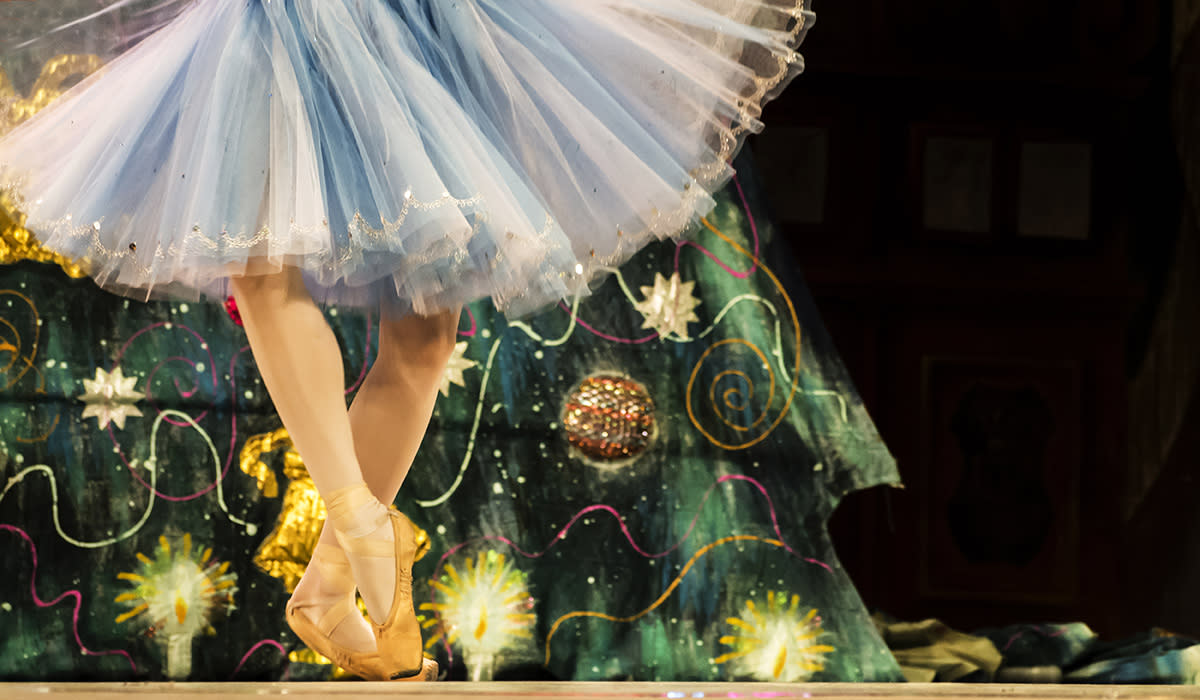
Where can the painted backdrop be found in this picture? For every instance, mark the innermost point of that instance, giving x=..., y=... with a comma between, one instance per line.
x=635, y=486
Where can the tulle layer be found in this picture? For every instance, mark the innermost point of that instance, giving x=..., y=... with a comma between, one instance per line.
x=424, y=153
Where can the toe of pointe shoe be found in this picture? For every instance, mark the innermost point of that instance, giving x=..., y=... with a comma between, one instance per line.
x=427, y=674
x=366, y=665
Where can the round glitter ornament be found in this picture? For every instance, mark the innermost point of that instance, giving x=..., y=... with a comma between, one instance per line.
x=610, y=419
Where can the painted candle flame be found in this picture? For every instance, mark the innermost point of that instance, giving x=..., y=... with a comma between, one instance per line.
x=776, y=644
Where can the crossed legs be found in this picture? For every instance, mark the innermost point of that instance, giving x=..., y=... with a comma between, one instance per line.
x=374, y=442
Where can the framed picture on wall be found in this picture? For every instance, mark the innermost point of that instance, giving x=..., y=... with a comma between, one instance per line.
x=954, y=183
x=1054, y=191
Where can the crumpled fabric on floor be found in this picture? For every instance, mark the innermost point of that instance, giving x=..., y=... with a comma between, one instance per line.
x=930, y=651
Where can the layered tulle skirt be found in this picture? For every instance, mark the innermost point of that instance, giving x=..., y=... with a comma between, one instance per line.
x=420, y=152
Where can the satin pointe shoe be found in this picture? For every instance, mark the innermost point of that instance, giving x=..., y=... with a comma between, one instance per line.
x=355, y=514
x=334, y=569
x=399, y=637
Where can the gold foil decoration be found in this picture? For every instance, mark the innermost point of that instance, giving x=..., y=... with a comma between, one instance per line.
x=252, y=464
x=16, y=242
x=50, y=85
x=286, y=552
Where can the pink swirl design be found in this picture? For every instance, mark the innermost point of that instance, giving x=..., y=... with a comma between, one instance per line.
x=470, y=333
x=711, y=256
x=629, y=536
x=246, y=657
x=68, y=594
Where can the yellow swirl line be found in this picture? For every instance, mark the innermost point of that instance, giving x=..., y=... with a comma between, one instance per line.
x=728, y=396
x=712, y=388
x=44, y=436
x=795, y=379
x=665, y=594
x=28, y=360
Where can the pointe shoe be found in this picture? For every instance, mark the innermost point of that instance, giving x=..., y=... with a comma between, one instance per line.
x=398, y=638
x=368, y=665
x=334, y=568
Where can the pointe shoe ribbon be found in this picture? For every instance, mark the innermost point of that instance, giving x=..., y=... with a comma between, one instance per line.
x=334, y=568
x=356, y=514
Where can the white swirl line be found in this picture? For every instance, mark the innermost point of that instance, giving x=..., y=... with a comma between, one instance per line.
x=151, y=464
x=466, y=461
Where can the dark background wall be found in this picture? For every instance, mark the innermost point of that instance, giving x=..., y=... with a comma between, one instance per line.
x=987, y=201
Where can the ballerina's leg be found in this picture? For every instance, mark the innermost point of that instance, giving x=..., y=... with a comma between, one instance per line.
x=392, y=409
x=301, y=365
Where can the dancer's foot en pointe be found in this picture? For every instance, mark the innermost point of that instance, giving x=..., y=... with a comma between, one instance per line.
x=380, y=544
x=323, y=614
x=276, y=308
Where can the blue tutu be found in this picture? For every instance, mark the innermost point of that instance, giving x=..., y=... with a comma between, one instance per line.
x=419, y=152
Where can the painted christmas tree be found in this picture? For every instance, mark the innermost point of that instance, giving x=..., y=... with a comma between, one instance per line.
x=632, y=485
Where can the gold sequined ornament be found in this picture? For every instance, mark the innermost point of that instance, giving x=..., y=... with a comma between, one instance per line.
x=609, y=420
x=286, y=551
x=16, y=242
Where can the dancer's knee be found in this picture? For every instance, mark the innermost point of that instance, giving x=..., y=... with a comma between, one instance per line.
x=418, y=341
x=265, y=289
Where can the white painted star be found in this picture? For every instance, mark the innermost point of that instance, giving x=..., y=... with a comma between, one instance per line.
x=110, y=398
x=455, y=368
x=669, y=306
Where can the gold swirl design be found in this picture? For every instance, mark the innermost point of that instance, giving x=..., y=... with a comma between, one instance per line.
x=16, y=242
x=18, y=359
x=737, y=399
x=662, y=598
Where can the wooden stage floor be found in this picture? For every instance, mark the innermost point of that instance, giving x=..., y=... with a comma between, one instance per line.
x=586, y=691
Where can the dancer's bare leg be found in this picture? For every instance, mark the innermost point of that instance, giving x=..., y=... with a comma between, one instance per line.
x=391, y=411
x=301, y=365
x=388, y=420
x=392, y=408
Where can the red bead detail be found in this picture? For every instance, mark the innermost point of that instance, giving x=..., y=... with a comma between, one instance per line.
x=232, y=309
